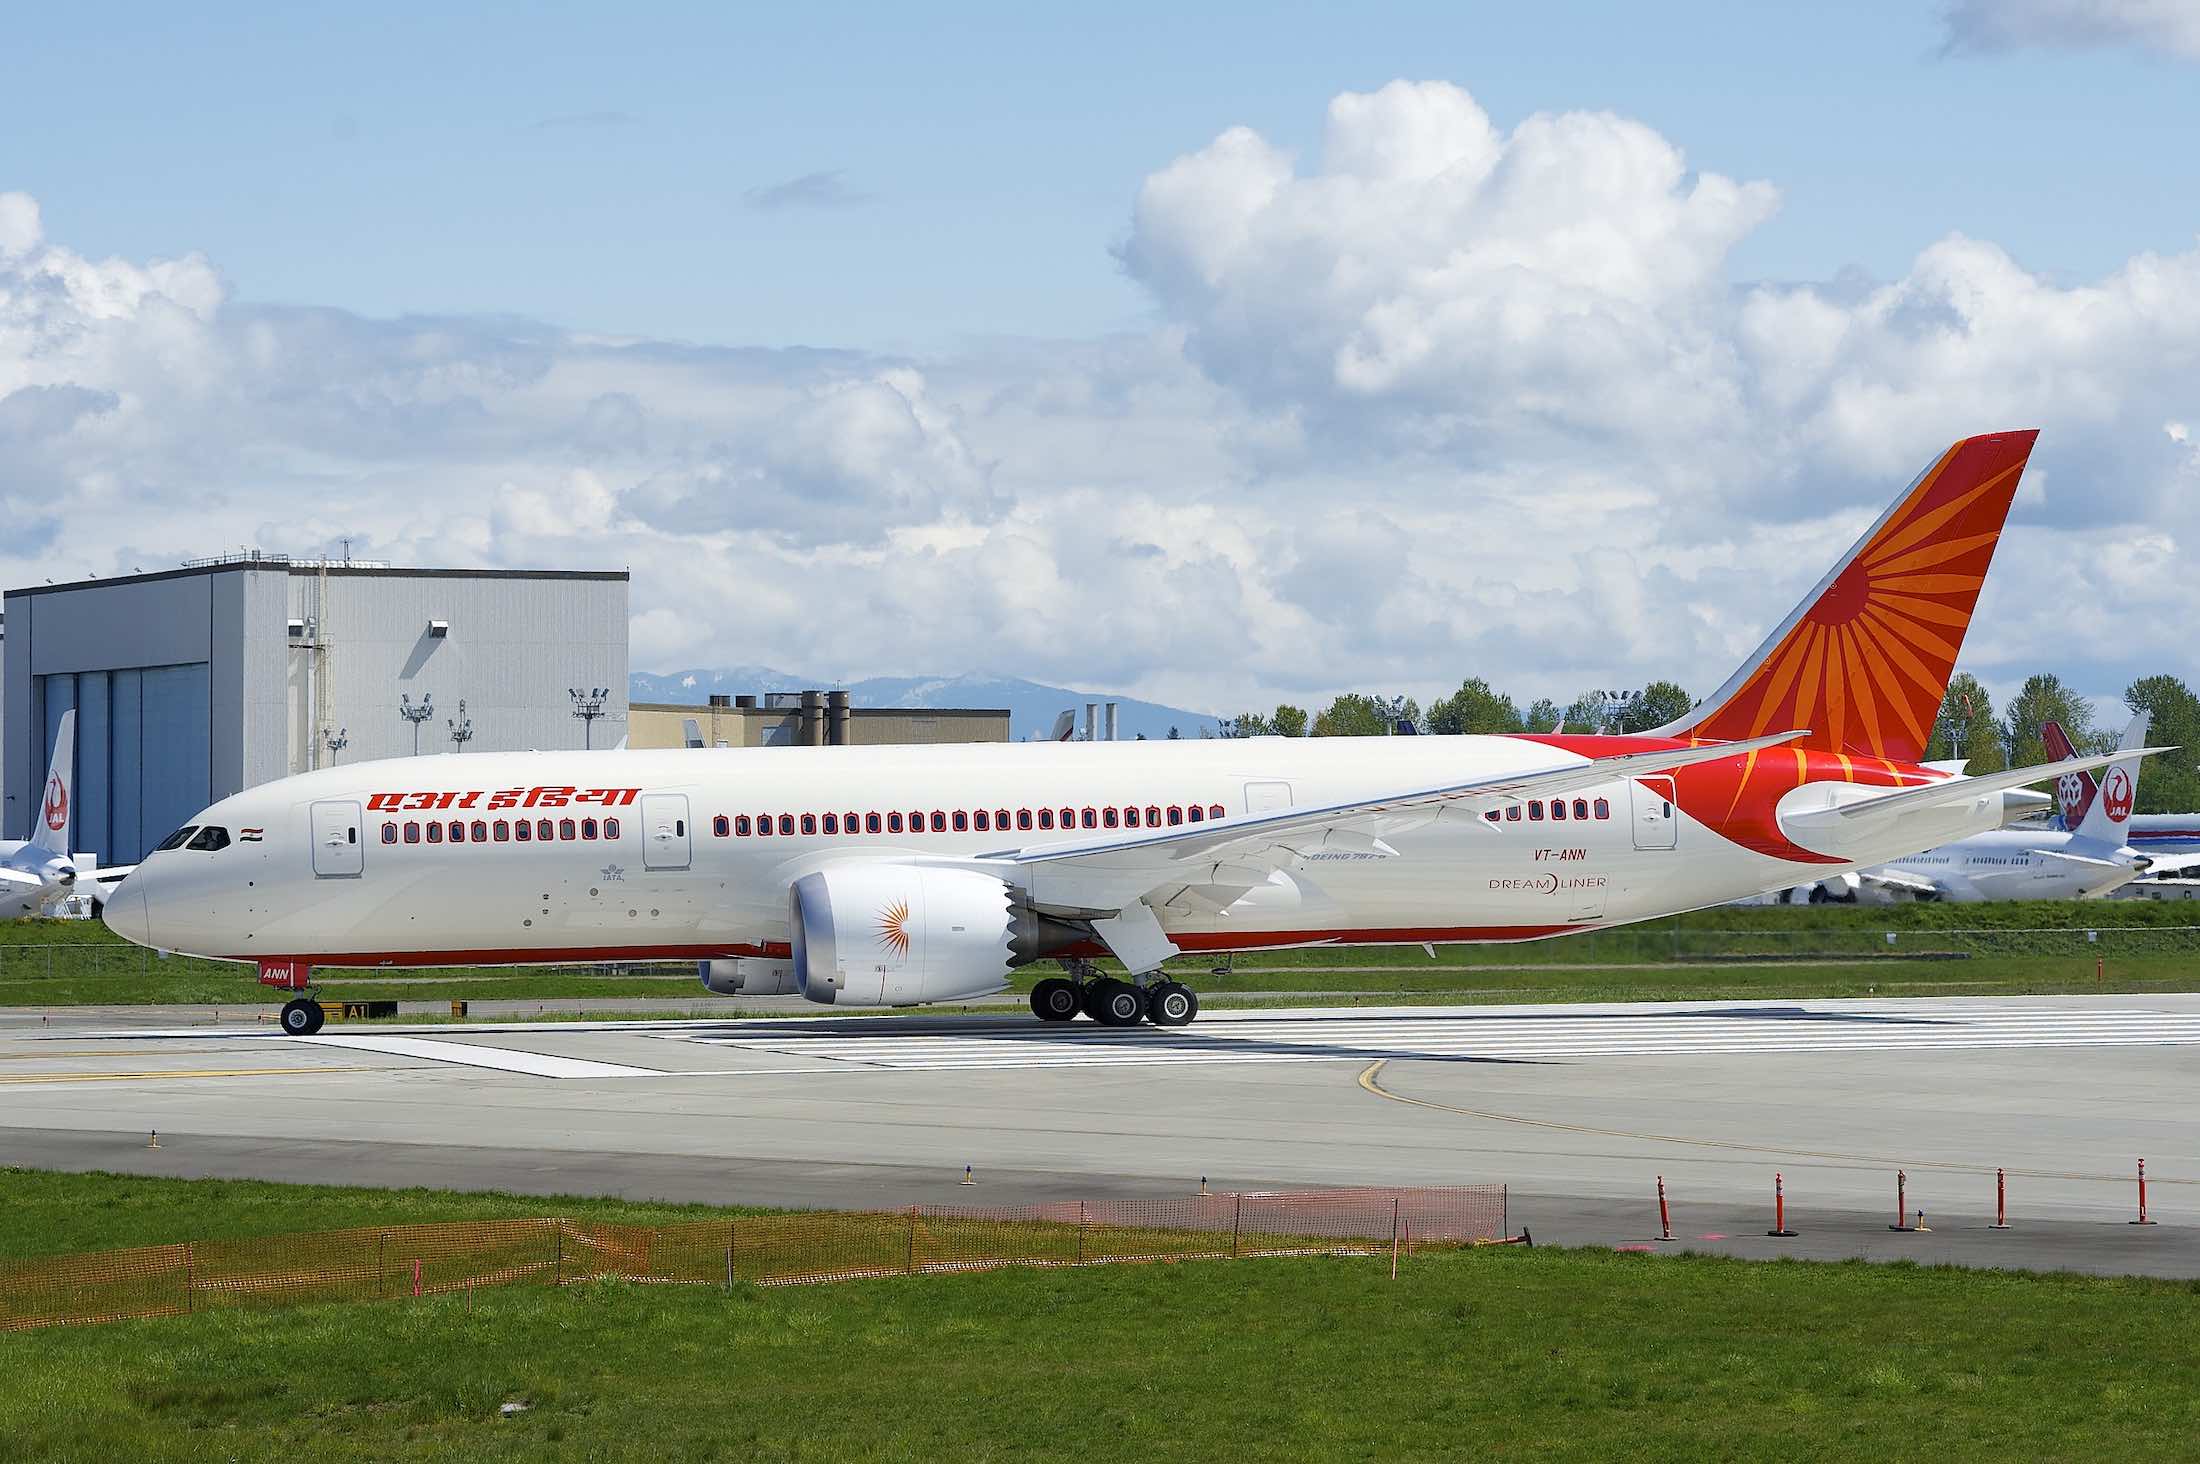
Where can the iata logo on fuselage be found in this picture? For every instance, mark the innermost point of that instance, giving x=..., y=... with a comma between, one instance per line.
x=2116, y=795
x=57, y=804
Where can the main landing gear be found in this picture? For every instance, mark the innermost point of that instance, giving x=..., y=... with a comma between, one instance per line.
x=1112, y=1002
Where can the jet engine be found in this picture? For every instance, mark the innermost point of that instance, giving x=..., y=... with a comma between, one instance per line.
x=902, y=934
x=748, y=976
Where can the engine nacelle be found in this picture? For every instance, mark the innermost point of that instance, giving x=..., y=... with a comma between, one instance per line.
x=748, y=976
x=900, y=934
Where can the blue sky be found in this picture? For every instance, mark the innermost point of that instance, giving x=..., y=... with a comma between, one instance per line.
x=1214, y=356
x=588, y=165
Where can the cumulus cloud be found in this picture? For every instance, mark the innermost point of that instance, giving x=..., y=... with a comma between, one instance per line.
x=828, y=190
x=1444, y=399
x=2168, y=26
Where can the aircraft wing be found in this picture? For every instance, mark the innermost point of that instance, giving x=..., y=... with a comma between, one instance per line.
x=100, y=883
x=1893, y=879
x=2089, y=860
x=1108, y=874
x=19, y=882
x=2171, y=865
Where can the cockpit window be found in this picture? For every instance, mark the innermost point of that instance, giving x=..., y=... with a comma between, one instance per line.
x=175, y=840
x=213, y=836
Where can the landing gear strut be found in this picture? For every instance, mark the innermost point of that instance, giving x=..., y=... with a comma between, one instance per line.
x=302, y=1016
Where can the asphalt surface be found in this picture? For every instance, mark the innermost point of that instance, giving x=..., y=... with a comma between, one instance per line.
x=1577, y=1109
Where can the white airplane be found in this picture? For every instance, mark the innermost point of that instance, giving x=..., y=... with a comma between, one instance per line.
x=2085, y=863
x=38, y=873
x=2168, y=843
x=908, y=875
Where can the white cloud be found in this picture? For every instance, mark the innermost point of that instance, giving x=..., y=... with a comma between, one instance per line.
x=1447, y=400
x=2170, y=26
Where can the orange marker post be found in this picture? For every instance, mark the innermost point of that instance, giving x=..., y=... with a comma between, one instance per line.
x=1779, y=1207
x=1665, y=1216
x=2001, y=1201
x=2142, y=1220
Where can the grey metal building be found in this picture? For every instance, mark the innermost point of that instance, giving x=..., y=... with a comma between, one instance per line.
x=195, y=683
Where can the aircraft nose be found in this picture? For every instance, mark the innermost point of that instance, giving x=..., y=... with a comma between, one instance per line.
x=125, y=913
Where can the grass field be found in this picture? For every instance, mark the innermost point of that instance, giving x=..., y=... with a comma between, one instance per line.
x=1507, y=1353
x=2007, y=949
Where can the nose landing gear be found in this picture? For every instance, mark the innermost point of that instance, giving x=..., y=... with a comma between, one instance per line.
x=302, y=1016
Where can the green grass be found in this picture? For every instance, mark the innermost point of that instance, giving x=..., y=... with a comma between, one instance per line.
x=2006, y=949
x=1508, y=1354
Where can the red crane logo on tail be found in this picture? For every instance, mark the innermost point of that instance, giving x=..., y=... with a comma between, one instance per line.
x=2116, y=795
x=57, y=804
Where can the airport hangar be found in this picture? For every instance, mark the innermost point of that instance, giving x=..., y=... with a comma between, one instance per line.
x=194, y=683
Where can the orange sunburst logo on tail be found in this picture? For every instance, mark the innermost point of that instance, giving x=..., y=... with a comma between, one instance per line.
x=1865, y=665
x=893, y=928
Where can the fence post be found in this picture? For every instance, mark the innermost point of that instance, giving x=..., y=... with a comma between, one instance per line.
x=912, y=1240
x=557, y=1253
x=381, y=1266
x=190, y=1280
x=1237, y=1225
x=729, y=1256
x=1393, y=1237
x=1080, y=1232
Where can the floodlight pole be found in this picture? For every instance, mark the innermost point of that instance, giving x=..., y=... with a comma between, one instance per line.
x=588, y=706
x=416, y=714
x=462, y=729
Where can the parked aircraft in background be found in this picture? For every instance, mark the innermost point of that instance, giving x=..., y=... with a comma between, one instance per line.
x=2166, y=839
x=905, y=875
x=38, y=873
x=2088, y=861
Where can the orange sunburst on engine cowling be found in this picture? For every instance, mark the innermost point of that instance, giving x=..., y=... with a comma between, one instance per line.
x=1866, y=663
x=893, y=928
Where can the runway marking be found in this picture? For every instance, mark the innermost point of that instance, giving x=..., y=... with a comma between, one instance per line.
x=503, y=1059
x=1368, y=1081
x=173, y=1073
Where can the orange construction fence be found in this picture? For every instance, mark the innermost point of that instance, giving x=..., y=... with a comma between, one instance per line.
x=384, y=1262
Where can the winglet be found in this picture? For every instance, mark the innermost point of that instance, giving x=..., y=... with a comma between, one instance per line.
x=1865, y=659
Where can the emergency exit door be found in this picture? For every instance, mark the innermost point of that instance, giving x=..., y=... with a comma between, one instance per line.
x=1657, y=821
x=665, y=830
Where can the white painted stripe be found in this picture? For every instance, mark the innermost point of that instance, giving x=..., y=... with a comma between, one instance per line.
x=540, y=1064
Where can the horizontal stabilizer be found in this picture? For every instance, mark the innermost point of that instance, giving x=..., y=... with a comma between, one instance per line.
x=1956, y=791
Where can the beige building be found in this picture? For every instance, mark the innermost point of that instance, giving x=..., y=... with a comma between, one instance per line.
x=807, y=719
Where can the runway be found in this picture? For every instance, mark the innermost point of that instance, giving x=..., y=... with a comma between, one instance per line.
x=1577, y=1108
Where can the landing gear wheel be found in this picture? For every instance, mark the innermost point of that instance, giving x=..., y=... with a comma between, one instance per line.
x=1118, y=1004
x=1055, y=1000
x=302, y=1016
x=1171, y=1004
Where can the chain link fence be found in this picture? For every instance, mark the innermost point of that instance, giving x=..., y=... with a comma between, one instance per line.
x=381, y=1263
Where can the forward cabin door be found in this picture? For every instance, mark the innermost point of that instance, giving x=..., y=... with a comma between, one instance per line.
x=665, y=830
x=1657, y=825
x=338, y=850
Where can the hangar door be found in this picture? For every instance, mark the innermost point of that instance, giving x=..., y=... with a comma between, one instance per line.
x=664, y=830
x=337, y=850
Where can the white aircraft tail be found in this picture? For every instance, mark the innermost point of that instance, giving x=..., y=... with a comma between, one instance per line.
x=50, y=824
x=2087, y=809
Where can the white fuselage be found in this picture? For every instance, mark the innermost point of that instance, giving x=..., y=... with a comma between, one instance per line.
x=2015, y=864
x=356, y=865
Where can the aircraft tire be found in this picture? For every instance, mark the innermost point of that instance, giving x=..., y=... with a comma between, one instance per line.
x=1171, y=1004
x=1118, y=1004
x=302, y=1016
x=1056, y=1000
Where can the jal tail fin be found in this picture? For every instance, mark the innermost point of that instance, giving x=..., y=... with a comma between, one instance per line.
x=2107, y=820
x=50, y=825
x=1865, y=659
x=2073, y=791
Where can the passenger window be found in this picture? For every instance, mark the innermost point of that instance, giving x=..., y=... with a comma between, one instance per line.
x=1000, y=819
x=962, y=822
x=458, y=831
x=389, y=833
x=982, y=821
x=893, y=823
x=1558, y=808
x=1581, y=808
x=848, y=823
x=1535, y=809
x=565, y=828
x=502, y=828
x=542, y=831
x=1153, y=817
x=722, y=826
x=611, y=828
x=523, y=831
x=177, y=839
x=435, y=832
x=1023, y=820
x=1214, y=810
x=939, y=821
x=870, y=823
x=809, y=823
x=1493, y=815
x=916, y=821
x=1195, y=813
x=412, y=833
x=763, y=825
x=786, y=824
x=588, y=828
x=1046, y=818
x=1091, y=819
x=1512, y=813
x=481, y=831
x=1604, y=808
x=832, y=823
x=1069, y=818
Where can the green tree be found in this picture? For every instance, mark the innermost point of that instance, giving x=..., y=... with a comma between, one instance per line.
x=1544, y=716
x=2169, y=783
x=1289, y=721
x=1966, y=722
x=1355, y=715
x=1174, y=735
x=1473, y=708
x=1661, y=702
x=2044, y=698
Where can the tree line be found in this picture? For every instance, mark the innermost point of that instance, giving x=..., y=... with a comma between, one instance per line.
x=1966, y=728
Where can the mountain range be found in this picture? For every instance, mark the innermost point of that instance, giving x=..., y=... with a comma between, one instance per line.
x=1032, y=706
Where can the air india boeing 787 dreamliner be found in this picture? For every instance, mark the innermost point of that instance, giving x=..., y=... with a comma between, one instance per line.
x=905, y=875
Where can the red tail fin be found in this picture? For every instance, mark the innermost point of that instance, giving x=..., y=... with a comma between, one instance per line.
x=2073, y=791
x=1864, y=662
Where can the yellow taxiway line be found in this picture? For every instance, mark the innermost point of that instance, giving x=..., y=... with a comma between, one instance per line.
x=1368, y=1081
